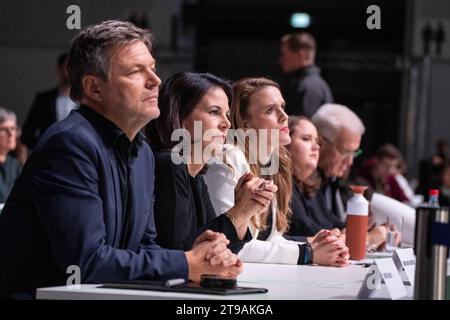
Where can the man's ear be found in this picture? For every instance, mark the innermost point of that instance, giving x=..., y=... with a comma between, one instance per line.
x=92, y=87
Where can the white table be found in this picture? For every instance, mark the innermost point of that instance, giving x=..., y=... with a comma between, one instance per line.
x=284, y=282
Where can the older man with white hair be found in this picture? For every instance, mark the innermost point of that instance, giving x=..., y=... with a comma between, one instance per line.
x=340, y=130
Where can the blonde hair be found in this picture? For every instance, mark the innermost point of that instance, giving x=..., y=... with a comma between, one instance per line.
x=243, y=89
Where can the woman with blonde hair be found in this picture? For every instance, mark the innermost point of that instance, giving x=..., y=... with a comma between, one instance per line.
x=261, y=133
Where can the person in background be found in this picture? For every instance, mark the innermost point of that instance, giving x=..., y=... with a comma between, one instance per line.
x=182, y=204
x=430, y=168
x=48, y=107
x=444, y=189
x=310, y=213
x=85, y=195
x=340, y=131
x=261, y=133
x=413, y=199
x=9, y=166
x=306, y=90
x=379, y=172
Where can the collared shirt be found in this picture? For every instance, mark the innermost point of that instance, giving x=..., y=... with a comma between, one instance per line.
x=332, y=195
x=125, y=152
x=63, y=106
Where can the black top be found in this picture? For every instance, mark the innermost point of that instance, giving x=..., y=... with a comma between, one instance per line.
x=310, y=215
x=306, y=92
x=183, y=209
x=9, y=171
x=125, y=152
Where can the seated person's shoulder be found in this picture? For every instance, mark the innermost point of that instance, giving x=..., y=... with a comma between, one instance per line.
x=168, y=163
x=14, y=161
x=72, y=133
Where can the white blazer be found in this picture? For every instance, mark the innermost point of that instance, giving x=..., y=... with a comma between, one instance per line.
x=221, y=179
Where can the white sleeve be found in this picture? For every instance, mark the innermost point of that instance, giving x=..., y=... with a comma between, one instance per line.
x=221, y=178
x=280, y=252
x=236, y=158
x=220, y=182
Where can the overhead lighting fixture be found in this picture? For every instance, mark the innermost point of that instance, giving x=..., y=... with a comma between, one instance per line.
x=300, y=20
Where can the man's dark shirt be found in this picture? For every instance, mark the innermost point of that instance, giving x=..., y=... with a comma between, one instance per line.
x=306, y=92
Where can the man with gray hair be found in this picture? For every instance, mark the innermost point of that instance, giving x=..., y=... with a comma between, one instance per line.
x=82, y=207
x=340, y=131
x=9, y=166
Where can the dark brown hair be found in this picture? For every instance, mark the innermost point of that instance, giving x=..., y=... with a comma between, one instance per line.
x=389, y=151
x=177, y=98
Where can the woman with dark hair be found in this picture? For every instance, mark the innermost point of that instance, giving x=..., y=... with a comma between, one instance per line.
x=194, y=107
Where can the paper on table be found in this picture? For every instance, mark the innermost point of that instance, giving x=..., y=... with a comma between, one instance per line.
x=383, y=207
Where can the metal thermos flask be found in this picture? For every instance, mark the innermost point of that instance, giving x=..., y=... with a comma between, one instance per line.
x=431, y=259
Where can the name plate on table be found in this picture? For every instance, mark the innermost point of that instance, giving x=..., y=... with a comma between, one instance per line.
x=405, y=259
x=384, y=270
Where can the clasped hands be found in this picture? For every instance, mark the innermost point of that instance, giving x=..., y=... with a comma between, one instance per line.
x=210, y=255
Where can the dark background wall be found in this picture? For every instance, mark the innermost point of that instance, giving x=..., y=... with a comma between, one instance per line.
x=240, y=38
x=380, y=74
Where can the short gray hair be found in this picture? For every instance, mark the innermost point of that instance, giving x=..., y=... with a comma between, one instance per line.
x=331, y=118
x=90, y=50
x=6, y=114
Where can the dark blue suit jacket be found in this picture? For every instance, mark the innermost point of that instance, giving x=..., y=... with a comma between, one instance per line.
x=65, y=209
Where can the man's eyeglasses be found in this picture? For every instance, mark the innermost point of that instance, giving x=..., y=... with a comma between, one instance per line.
x=344, y=153
x=10, y=130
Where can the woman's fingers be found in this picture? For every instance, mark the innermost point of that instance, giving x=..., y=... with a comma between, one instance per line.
x=261, y=201
x=264, y=194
